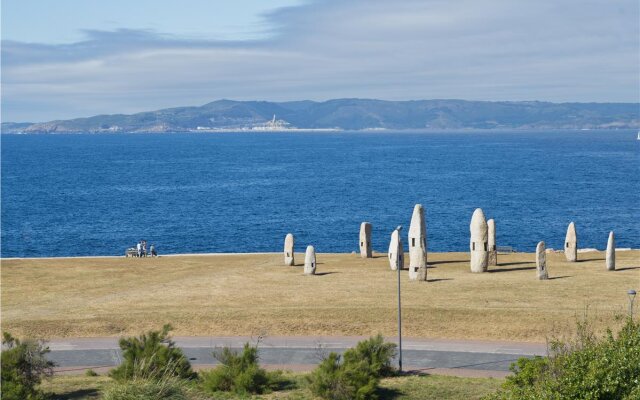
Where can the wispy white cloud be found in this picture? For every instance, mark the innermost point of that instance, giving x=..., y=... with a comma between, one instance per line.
x=490, y=50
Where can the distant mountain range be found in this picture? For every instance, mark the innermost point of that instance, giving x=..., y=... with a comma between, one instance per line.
x=352, y=114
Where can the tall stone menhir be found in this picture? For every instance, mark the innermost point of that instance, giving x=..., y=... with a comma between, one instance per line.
x=418, y=245
x=571, y=244
x=365, y=240
x=396, y=251
x=289, y=244
x=310, y=261
x=478, y=245
x=611, y=252
x=541, y=262
x=493, y=250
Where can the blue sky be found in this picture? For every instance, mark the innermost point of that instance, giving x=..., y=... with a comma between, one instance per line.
x=74, y=58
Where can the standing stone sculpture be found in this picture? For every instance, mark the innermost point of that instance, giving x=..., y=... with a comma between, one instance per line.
x=396, y=251
x=418, y=245
x=571, y=244
x=611, y=252
x=478, y=244
x=310, y=261
x=289, y=243
x=541, y=262
x=365, y=240
x=493, y=250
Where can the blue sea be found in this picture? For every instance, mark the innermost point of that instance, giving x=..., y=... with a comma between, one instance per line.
x=71, y=195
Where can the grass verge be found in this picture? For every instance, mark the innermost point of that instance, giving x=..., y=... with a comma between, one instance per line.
x=422, y=387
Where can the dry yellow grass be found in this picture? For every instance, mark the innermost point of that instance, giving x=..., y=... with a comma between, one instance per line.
x=250, y=294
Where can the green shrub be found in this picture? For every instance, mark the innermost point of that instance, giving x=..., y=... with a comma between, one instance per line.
x=376, y=355
x=90, y=372
x=152, y=384
x=527, y=372
x=239, y=373
x=358, y=376
x=326, y=379
x=149, y=354
x=634, y=394
x=341, y=381
x=23, y=367
x=585, y=368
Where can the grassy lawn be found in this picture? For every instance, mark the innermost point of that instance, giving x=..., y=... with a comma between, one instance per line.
x=75, y=387
x=250, y=294
x=424, y=387
x=437, y=387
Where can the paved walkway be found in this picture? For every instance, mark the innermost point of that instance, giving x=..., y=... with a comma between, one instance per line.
x=448, y=357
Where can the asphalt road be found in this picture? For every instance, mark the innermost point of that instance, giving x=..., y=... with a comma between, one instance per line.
x=462, y=358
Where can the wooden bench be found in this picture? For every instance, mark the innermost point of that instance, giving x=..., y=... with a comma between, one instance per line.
x=505, y=249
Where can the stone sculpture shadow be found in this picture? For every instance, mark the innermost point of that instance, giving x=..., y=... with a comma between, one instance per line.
x=590, y=259
x=516, y=263
x=626, y=268
x=447, y=262
x=559, y=277
x=326, y=273
x=512, y=269
x=439, y=279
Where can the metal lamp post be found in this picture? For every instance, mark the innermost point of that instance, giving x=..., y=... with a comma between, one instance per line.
x=399, y=263
x=632, y=295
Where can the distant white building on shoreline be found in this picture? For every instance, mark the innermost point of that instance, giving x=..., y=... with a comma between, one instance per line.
x=273, y=125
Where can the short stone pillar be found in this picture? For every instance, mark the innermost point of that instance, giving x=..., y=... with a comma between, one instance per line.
x=289, y=244
x=571, y=244
x=541, y=262
x=611, y=252
x=310, y=261
x=493, y=249
x=396, y=251
x=365, y=240
x=478, y=245
x=418, y=245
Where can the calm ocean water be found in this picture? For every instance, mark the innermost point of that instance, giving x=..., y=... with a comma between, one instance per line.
x=68, y=195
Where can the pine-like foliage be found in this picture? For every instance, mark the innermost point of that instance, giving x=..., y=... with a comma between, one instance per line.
x=357, y=377
x=146, y=355
x=239, y=372
x=376, y=355
x=333, y=380
x=586, y=367
x=161, y=385
x=23, y=367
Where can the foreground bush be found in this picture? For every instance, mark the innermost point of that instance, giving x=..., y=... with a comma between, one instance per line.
x=170, y=388
x=342, y=381
x=358, y=376
x=23, y=367
x=585, y=368
x=239, y=373
x=150, y=355
x=376, y=355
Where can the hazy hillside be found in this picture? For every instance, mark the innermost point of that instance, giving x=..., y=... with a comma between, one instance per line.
x=354, y=114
